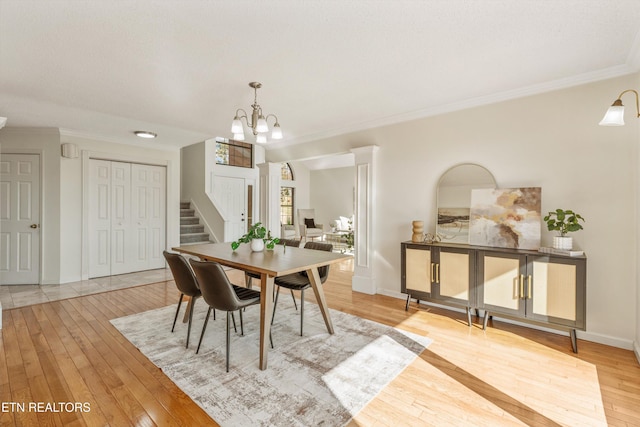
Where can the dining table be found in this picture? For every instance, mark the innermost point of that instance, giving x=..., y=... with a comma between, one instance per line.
x=269, y=264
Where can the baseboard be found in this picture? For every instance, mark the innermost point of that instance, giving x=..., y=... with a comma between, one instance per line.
x=583, y=335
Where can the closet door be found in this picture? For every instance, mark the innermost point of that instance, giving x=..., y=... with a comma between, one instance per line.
x=127, y=217
x=148, y=206
x=121, y=250
x=100, y=218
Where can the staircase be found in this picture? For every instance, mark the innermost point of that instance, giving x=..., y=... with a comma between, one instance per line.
x=191, y=231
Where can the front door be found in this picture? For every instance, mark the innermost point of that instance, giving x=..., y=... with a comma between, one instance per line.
x=230, y=193
x=19, y=219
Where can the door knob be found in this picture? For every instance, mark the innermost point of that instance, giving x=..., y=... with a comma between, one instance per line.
x=34, y=226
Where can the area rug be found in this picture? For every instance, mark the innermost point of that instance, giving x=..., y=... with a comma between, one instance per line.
x=317, y=379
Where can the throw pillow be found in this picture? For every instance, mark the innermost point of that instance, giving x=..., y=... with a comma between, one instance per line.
x=310, y=223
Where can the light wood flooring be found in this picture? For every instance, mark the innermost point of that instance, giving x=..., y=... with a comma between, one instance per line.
x=67, y=351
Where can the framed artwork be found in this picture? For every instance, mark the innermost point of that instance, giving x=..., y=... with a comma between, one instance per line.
x=506, y=217
x=453, y=224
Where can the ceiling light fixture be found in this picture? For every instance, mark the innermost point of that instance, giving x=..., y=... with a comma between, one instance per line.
x=615, y=114
x=145, y=134
x=258, y=122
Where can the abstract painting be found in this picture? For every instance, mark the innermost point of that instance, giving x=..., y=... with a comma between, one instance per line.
x=453, y=224
x=506, y=218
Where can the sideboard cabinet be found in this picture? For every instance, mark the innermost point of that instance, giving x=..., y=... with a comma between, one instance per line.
x=547, y=290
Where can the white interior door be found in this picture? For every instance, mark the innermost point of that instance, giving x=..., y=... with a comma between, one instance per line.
x=121, y=224
x=231, y=194
x=19, y=219
x=127, y=219
x=100, y=218
x=149, y=215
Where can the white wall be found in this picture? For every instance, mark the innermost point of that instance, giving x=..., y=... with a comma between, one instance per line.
x=46, y=142
x=550, y=140
x=332, y=194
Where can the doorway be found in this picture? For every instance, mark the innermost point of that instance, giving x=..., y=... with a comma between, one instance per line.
x=20, y=219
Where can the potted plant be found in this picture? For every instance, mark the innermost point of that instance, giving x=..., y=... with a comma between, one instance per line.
x=258, y=236
x=564, y=221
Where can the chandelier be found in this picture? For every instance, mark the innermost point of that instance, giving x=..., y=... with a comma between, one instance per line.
x=257, y=123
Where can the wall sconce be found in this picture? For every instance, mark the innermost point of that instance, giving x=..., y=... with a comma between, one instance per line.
x=615, y=114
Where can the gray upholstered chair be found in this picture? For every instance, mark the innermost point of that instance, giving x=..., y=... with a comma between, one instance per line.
x=309, y=228
x=221, y=294
x=300, y=281
x=186, y=284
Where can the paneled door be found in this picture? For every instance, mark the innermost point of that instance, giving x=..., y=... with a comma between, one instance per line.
x=127, y=217
x=148, y=215
x=19, y=219
x=231, y=194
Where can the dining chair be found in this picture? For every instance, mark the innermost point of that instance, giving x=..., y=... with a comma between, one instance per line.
x=221, y=294
x=186, y=283
x=300, y=281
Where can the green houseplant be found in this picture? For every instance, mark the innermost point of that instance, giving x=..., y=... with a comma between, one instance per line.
x=563, y=221
x=257, y=232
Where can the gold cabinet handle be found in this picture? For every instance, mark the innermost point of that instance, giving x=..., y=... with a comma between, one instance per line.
x=433, y=272
x=521, y=286
x=529, y=286
x=437, y=273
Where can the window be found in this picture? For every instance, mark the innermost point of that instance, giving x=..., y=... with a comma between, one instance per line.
x=286, y=205
x=286, y=195
x=285, y=172
x=234, y=153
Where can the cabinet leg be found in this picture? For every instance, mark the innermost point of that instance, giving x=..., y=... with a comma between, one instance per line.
x=469, y=316
x=485, y=320
x=406, y=306
x=574, y=342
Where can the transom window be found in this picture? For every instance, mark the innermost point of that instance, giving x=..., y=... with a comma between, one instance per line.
x=285, y=172
x=234, y=153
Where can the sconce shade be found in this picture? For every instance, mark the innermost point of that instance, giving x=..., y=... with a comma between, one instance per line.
x=261, y=138
x=236, y=126
x=238, y=136
x=614, y=115
x=277, y=132
x=262, y=126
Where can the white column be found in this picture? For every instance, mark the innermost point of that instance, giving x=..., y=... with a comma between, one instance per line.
x=364, y=279
x=270, y=197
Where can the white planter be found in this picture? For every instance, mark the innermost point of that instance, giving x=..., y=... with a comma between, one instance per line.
x=563, y=242
x=257, y=245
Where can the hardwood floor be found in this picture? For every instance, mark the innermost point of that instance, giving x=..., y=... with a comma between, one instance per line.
x=67, y=351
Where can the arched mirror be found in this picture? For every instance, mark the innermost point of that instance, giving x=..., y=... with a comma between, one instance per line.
x=454, y=199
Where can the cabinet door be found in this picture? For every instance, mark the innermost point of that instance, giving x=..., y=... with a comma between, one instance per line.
x=553, y=291
x=452, y=276
x=418, y=270
x=502, y=283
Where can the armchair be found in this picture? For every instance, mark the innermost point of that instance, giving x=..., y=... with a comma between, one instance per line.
x=309, y=229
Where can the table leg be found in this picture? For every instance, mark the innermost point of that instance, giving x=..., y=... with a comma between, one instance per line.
x=316, y=284
x=266, y=310
x=185, y=319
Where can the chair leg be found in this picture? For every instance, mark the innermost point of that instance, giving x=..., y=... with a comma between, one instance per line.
x=204, y=327
x=234, y=322
x=301, y=310
x=177, y=311
x=228, y=338
x=241, y=325
x=293, y=297
x=193, y=303
x=275, y=304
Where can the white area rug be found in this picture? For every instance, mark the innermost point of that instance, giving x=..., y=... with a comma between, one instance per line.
x=318, y=379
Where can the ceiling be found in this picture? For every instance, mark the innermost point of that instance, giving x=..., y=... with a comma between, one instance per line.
x=104, y=69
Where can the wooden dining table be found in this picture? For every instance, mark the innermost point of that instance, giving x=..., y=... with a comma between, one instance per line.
x=269, y=264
